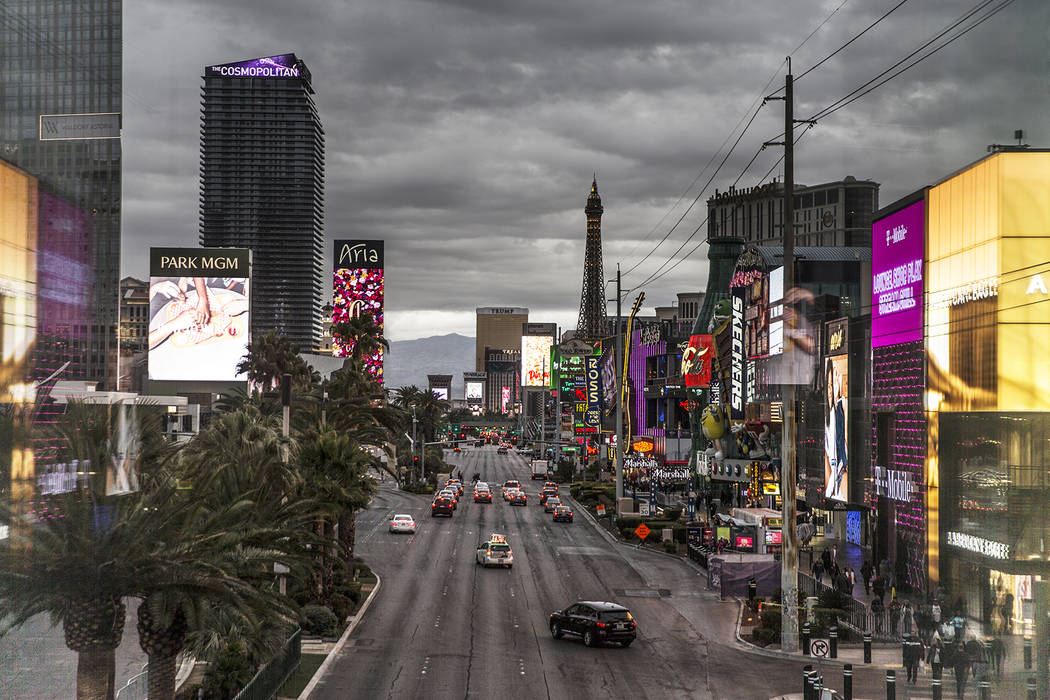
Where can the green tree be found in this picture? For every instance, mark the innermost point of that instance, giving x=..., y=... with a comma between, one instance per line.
x=269, y=357
x=362, y=335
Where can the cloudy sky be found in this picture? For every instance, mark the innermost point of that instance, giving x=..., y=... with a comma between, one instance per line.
x=465, y=132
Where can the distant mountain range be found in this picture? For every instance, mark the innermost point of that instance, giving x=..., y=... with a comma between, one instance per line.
x=408, y=362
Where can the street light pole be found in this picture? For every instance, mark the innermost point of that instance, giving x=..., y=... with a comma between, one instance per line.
x=414, y=421
x=619, y=403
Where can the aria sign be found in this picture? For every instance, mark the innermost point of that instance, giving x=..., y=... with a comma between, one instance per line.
x=978, y=545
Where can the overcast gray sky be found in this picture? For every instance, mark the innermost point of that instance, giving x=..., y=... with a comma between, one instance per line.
x=464, y=133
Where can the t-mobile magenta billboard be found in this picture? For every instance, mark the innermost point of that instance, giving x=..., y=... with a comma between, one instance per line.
x=896, y=269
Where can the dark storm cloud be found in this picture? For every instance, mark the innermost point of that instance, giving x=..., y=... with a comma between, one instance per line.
x=465, y=133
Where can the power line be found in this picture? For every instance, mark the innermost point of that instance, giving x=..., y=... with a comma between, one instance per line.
x=834, y=53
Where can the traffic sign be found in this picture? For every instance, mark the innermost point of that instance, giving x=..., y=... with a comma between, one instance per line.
x=601, y=510
x=819, y=648
x=642, y=531
x=643, y=508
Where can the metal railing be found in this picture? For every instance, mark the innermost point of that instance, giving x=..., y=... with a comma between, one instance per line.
x=137, y=687
x=858, y=617
x=264, y=685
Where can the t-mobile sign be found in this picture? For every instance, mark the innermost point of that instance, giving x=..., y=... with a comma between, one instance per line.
x=896, y=268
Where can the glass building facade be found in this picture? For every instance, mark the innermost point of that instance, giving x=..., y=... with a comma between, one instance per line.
x=60, y=104
x=262, y=187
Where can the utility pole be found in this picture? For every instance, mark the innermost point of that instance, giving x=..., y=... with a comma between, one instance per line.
x=618, y=461
x=556, y=382
x=413, y=441
x=788, y=473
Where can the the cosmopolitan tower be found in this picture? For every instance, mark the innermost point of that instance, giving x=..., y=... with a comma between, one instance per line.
x=262, y=187
x=592, y=325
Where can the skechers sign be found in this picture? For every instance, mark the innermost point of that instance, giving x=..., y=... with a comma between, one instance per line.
x=283, y=66
x=737, y=375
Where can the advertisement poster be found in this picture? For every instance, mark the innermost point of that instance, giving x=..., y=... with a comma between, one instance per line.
x=474, y=392
x=199, y=309
x=535, y=360
x=836, y=436
x=897, y=277
x=122, y=474
x=358, y=290
x=696, y=361
x=440, y=392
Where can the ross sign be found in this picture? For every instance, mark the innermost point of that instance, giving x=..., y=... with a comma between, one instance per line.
x=282, y=66
x=593, y=377
x=897, y=249
x=643, y=530
x=978, y=545
x=80, y=127
x=697, y=359
x=198, y=313
x=819, y=648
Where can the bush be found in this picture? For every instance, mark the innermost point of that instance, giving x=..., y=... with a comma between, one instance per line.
x=320, y=620
x=671, y=547
x=672, y=514
x=228, y=672
x=831, y=598
x=763, y=636
x=770, y=619
x=351, y=590
x=342, y=606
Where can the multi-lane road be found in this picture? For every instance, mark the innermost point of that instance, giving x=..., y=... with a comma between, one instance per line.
x=442, y=627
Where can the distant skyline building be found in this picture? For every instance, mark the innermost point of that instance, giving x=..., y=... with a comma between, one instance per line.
x=60, y=123
x=262, y=187
x=134, y=334
x=591, y=324
x=497, y=327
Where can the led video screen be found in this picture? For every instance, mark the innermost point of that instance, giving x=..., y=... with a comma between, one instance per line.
x=198, y=322
x=358, y=290
x=836, y=433
x=535, y=360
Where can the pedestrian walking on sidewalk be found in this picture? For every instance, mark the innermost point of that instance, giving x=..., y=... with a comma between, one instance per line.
x=877, y=613
x=895, y=615
x=818, y=570
x=961, y=666
x=911, y=653
x=998, y=655
x=851, y=580
x=866, y=571
x=825, y=558
x=834, y=553
x=935, y=657
x=878, y=587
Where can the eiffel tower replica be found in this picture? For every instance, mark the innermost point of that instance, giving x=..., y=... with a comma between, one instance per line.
x=592, y=325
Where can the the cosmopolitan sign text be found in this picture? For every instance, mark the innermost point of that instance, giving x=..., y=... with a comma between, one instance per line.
x=358, y=290
x=199, y=309
x=282, y=66
x=897, y=276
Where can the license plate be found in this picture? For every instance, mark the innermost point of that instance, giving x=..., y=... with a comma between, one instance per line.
x=619, y=625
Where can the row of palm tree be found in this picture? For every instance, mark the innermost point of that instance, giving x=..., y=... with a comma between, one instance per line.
x=198, y=543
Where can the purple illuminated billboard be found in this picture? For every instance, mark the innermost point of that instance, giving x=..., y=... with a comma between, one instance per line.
x=282, y=66
x=896, y=271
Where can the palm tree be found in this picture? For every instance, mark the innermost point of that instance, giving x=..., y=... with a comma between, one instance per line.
x=362, y=335
x=406, y=396
x=271, y=356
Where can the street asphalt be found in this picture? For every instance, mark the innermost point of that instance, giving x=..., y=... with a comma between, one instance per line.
x=443, y=627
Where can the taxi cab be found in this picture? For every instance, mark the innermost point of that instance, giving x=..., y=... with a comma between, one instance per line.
x=495, y=551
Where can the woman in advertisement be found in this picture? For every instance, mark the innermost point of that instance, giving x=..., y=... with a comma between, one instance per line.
x=835, y=431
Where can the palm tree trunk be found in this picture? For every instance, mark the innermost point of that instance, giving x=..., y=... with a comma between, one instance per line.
x=96, y=673
x=161, y=677
x=347, y=533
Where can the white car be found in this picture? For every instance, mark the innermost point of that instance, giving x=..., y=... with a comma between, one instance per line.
x=403, y=523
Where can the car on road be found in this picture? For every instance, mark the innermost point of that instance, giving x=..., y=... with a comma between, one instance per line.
x=403, y=523
x=456, y=485
x=482, y=495
x=550, y=485
x=442, y=505
x=518, y=498
x=551, y=504
x=562, y=514
x=595, y=622
x=508, y=485
x=457, y=448
x=547, y=493
x=451, y=495
x=495, y=551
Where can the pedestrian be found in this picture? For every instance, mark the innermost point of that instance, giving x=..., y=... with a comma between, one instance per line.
x=877, y=613
x=818, y=570
x=850, y=580
x=1008, y=613
x=895, y=615
x=998, y=655
x=825, y=558
x=911, y=654
x=935, y=656
x=834, y=553
x=907, y=618
x=961, y=666
x=878, y=587
x=935, y=613
x=865, y=571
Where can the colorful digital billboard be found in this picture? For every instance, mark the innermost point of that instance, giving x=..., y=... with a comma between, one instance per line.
x=440, y=392
x=281, y=66
x=836, y=432
x=697, y=361
x=535, y=360
x=358, y=289
x=18, y=283
x=199, y=313
x=475, y=392
x=897, y=276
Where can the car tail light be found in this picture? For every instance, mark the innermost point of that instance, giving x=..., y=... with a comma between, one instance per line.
x=601, y=624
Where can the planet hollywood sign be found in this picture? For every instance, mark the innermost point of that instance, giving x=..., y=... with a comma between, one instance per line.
x=978, y=545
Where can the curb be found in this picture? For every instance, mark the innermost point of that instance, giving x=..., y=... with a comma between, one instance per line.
x=323, y=668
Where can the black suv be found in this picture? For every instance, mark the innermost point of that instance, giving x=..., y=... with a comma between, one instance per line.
x=596, y=622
